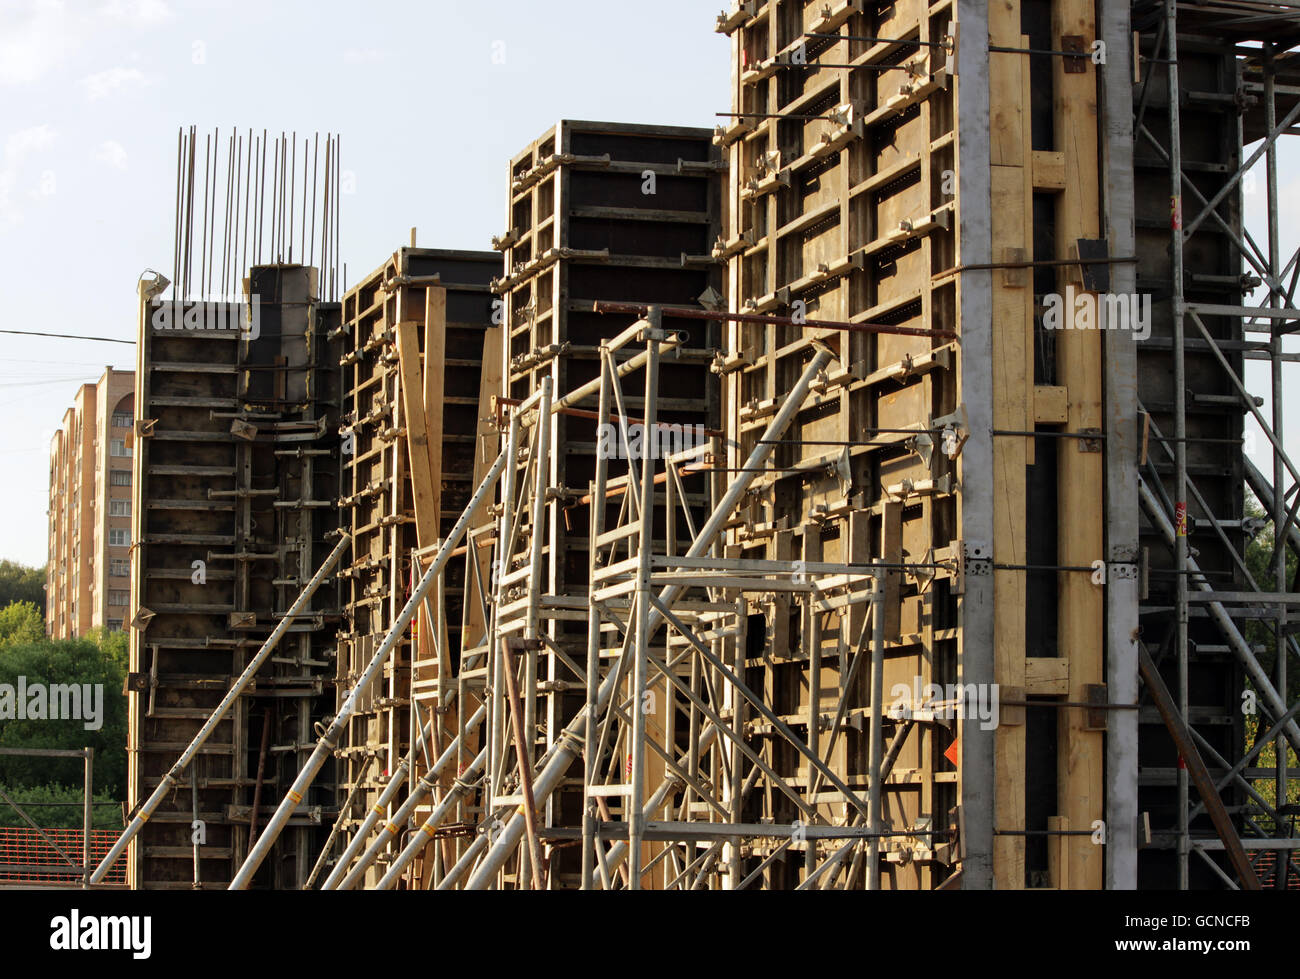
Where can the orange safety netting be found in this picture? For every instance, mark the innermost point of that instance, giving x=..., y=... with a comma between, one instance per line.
x=25, y=856
x=1266, y=863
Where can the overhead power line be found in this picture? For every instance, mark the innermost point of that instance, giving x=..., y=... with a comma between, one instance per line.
x=66, y=336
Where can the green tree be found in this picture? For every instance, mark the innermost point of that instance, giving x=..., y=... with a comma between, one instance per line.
x=1260, y=633
x=19, y=583
x=57, y=806
x=20, y=622
x=65, y=661
x=112, y=643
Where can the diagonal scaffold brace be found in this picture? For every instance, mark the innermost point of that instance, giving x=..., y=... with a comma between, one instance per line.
x=345, y=875
x=218, y=715
x=329, y=740
x=569, y=742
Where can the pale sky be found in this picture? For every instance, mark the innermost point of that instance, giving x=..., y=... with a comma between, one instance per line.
x=92, y=94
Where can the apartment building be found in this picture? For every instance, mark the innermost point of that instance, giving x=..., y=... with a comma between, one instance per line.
x=88, y=573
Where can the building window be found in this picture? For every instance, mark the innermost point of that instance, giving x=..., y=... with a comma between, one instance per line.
x=119, y=567
x=118, y=596
x=117, y=538
x=118, y=447
x=119, y=508
x=119, y=477
x=114, y=625
x=121, y=419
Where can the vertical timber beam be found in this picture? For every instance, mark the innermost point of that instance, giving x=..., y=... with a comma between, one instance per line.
x=1081, y=470
x=136, y=710
x=1012, y=238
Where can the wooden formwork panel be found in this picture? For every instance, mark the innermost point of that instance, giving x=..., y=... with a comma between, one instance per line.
x=603, y=212
x=841, y=209
x=182, y=379
x=584, y=228
x=378, y=500
x=231, y=513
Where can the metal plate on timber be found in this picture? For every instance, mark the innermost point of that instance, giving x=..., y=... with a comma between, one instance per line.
x=1096, y=717
x=136, y=683
x=1093, y=264
x=1073, y=43
x=974, y=558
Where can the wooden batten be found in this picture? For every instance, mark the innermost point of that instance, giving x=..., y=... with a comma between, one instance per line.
x=1081, y=515
x=1011, y=159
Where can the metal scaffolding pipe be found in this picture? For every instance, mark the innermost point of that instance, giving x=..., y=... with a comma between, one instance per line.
x=424, y=835
x=218, y=715
x=386, y=797
x=642, y=610
x=618, y=852
x=1235, y=639
x=1262, y=489
x=325, y=747
x=877, y=732
x=569, y=741
x=1182, y=557
x=629, y=366
x=466, y=861
x=597, y=518
x=338, y=826
x=1280, y=521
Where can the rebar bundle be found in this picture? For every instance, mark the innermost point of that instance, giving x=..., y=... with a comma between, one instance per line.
x=242, y=221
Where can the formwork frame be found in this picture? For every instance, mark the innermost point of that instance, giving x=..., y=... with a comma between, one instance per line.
x=416, y=335
x=843, y=150
x=596, y=211
x=1214, y=591
x=233, y=488
x=705, y=723
x=722, y=624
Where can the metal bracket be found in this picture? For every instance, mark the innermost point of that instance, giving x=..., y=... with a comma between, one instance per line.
x=957, y=420
x=1093, y=255
x=1090, y=444
x=923, y=446
x=243, y=430
x=136, y=683
x=974, y=559
x=1096, y=716
x=1073, y=44
x=525, y=645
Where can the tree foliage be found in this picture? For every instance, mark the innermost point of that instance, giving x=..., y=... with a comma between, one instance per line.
x=57, y=806
x=19, y=583
x=1260, y=633
x=67, y=661
x=20, y=622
